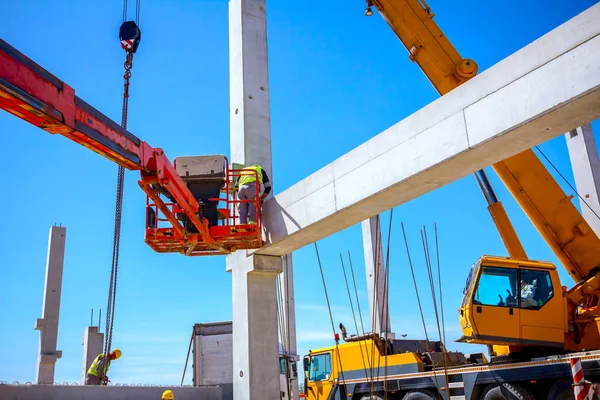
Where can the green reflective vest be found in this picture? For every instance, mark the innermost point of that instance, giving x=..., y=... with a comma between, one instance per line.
x=94, y=367
x=249, y=177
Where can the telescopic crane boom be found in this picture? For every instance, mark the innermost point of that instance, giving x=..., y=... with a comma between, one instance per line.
x=176, y=199
x=547, y=206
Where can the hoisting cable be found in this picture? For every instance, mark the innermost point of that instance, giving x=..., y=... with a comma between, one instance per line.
x=376, y=296
x=362, y=325
x=385, y=309
x=437, y=253
x=354, y=316
x=377, y=259
x=330, y=314
x=130, y=36
x=433, y=296
x=418, y=298
x=567, y=182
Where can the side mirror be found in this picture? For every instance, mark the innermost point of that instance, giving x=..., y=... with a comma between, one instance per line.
x=294, y=370
x=306, y=363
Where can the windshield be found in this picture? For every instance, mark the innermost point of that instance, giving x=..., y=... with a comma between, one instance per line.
x=469, y=284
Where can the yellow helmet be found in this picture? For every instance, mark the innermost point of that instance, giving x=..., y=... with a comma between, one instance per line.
x=168, y=395
x=117, y=353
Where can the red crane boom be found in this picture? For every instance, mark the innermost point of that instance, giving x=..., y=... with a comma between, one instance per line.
x=33, y=94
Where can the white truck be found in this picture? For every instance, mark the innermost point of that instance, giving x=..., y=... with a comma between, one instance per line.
x=212, y=347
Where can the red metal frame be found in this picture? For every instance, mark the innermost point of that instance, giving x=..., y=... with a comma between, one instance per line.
x=33, y=94
x=229, y=233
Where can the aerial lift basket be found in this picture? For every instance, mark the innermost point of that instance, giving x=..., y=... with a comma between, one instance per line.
x=213, y=184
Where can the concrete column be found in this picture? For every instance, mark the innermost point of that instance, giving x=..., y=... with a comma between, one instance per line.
x=255, y=333
x=92, y=342
x=373, y=250
x=48, y=324
x=249, y=84
x=288, y=310
x=255, y=345
x=586, y=169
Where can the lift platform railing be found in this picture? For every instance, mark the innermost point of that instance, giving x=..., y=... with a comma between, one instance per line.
x=164, y=232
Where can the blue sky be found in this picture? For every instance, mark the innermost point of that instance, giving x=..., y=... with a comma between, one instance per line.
x=337, y=79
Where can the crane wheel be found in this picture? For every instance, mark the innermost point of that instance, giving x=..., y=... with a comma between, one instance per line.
x=562, y=390
x=420, y=395
x=507, y=391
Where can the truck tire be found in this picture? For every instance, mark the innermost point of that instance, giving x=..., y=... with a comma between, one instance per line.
x=420, y=395
x=562, y=390
x=371, y=397
x=506, y=391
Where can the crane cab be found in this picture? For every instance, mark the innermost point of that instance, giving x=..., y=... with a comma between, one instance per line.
x=514, y=303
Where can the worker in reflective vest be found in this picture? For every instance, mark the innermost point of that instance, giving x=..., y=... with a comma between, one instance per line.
x=96, y=375
x=247, y=191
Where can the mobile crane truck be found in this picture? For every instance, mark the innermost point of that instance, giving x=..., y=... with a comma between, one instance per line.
x=534, y=327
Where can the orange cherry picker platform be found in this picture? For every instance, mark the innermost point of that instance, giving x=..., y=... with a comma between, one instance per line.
x=191, y=203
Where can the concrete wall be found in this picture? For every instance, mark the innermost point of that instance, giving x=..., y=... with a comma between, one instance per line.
x=52, y=392
x=213, y=356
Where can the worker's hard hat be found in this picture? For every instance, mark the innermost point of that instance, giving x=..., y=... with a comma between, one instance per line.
x=117, y=353
x=168, y=395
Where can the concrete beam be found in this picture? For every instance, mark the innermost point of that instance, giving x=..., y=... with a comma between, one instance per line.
x=586, y=170
x=73, y=392
x=48, y=324
x=545, y=89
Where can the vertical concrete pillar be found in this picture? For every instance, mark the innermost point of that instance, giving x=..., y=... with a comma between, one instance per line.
x=288, y=309
x=373, y=250
x=255, y=345
x=249, y=84
x=92, y=342
x=48, y=324
x=586, y=169
x=255, y=349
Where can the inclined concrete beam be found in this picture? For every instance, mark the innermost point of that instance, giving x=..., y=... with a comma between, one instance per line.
x=586, y=170
x=48, y=324
x=74, y=392
x=545, y=89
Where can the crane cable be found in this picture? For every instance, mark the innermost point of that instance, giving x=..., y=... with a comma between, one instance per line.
x=112, y=287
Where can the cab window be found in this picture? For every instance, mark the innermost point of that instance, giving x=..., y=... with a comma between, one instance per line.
x=469, y=283
x=320, y=367
x=535, y=288
x=282, y=369
x=497, y=287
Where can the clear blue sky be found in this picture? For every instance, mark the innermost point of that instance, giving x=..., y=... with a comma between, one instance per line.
x=337, y=79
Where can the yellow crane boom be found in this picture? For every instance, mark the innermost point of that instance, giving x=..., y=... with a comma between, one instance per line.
x=545, y=203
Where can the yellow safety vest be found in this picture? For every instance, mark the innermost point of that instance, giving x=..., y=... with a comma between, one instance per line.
x=94, y=367
x=249, y=177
